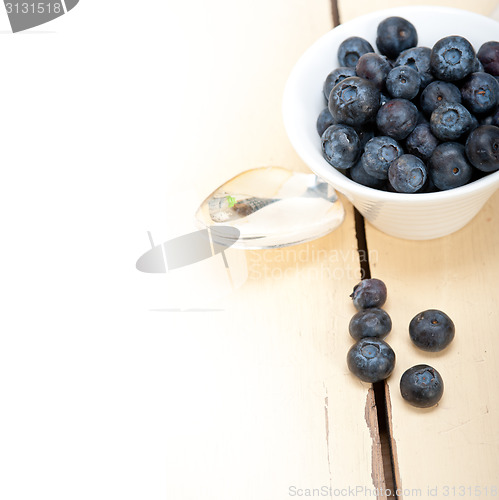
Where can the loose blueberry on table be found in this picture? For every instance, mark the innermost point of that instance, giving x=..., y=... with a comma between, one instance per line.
x=369, y=293
x=428, y=101
x=371, y=360
x=373, y=323
x=431, y=330
x=422, y=386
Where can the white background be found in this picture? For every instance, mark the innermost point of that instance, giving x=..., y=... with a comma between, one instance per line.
x=86, y=154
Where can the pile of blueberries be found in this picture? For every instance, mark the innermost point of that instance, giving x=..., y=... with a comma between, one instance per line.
x=412, y=119
x=372, y=360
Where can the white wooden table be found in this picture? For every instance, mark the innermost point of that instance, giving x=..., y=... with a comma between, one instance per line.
x=264, y=406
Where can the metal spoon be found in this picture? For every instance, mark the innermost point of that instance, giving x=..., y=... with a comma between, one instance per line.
x=272, y=207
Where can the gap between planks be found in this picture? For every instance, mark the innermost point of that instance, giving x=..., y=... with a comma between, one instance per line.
x=385, y=470
x=378, y=403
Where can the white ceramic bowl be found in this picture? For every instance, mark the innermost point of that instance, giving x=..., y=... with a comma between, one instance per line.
x=410, y=216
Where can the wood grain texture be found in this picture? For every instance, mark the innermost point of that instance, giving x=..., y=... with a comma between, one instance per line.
x=264, y=401
x=295, y=309
x=456, y=443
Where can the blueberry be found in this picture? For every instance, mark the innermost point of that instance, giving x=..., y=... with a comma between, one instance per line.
x=371, y=360
x=372, y=323
x=397, y=118
x=452, y=58
x=450, y=121
x=492, y=119
x=422, y=118
x=340, y=146
x=351, y=49
x=403, y=82
x=478, y=66
x=431, y=330
x=374, y=68
x=480, y=93
x=354, y=101
x=407, y=174
x=335, y=77
x=421, y=142
x=384, y=99
x=379, y=153
x=417, y=58
x=437, y=93
x=394, y=35
x=324, y=120
x=474, y=123
x=482, y=148
x=369, y=293
x=429, y=187
x=365, y=134
x=449, y=167
x=489, y=57
x=359, y=175
x=422, y=386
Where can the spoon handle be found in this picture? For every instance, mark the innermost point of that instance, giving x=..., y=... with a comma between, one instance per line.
x=226, y=208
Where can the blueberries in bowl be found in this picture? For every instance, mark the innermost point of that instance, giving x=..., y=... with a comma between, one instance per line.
x=354, y=101
x=421, y=142
x=335, y=77
x=437, y=93
x=397, y=118
x=351, y=49
x=431, y=330
x=340, y=146
x=379, y=153
x=482, y=148
x=452, y=58
x=449, y=167
x=422, y=386
x=417, y=58
x=450, y=121
x=412, y=109
x=360, y=176
x=394, y=35
x=403, y=82
x=324, y=120
x=374, y=68
x=488, y=54
x=407, y=174
x=371, y=360
x=480, y=93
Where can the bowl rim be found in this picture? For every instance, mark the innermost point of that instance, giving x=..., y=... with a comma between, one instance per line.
x=335, y=177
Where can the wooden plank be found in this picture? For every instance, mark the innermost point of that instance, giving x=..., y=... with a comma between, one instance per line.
x=455, y=444
x=350, y=10
x=265, y=406
x=452, y=450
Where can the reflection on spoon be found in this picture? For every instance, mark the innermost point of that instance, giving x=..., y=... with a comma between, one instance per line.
x=272, y=207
